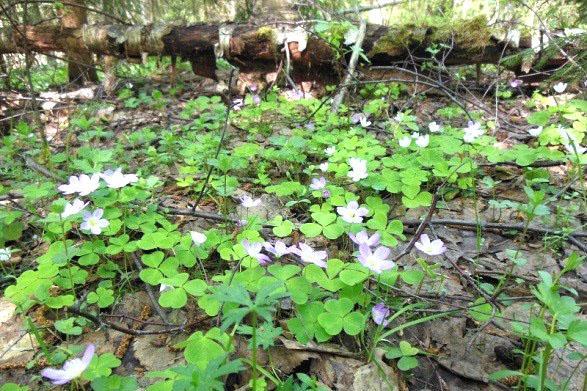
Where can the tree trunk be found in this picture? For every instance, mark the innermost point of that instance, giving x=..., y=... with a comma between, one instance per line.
x=80, y=62
x=260, y=49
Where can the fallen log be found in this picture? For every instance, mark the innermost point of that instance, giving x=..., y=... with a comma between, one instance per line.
x=260, y=49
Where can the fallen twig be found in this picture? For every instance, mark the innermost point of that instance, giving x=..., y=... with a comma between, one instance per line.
x=499, y=226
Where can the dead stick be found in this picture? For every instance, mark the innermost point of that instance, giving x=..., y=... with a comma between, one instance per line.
x=352, y=65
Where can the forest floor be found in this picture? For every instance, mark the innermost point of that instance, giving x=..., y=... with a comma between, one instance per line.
x=508, y=205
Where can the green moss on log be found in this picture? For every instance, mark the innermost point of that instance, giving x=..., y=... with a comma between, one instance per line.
x=473, y=34
x=265, y=33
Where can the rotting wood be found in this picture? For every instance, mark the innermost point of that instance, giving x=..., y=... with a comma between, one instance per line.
x=254, y=48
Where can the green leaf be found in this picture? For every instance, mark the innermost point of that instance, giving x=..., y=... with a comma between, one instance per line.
x=332, y=323
x=354, y=274
x=422, y=199
x=151, y=276
x=540, y=118
x=174, y=298
x=481, y=311
x=200, y=349
x=340, y=307
x=407, y=349
x=324, y=218
x=577, y=331
x=412, y=276
x=354, y=323
x=196, y=287
x=101, y=366
x=407, y=362
x=66, y=326
x=333, y=267
x=115, y=383
x=153, y=259
x=210, y=305
x=311, y=229
x=284, y=229
x=333, y=231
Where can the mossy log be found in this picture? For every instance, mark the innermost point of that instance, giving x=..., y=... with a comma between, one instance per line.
x=262, y=48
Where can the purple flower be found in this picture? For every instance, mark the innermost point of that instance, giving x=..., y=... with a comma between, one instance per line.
x=310, y=126
x=309, y=255
x=71, y=368
x=318, y=183
x=278, y=249
x=379, y=313
x=360, y=118
x=256, y=99
x=435, y=247
x=325, y=193
x=294, y=94
x=362, y=238
x=376, y=261
x=254, y=250
x=516, y=83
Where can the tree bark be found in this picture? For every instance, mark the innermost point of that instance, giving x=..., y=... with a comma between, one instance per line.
x=80, y=62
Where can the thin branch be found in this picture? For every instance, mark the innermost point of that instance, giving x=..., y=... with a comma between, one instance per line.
x=421, y=227
x=352, y=64
x=499, y=226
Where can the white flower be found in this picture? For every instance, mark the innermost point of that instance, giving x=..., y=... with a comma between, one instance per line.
x=165, y=287
x=423, y=141
x=415, y=135
x=249, y=202
x=365, y=122
x=376, y=261
x=570, y=142
x=358, y=169
x=198, y=238
x=82, y=184
x=323, y=166
x=535, y=132
x=318, y=183
x=362, y=238
x=71, y=368
x=436, y=247
x=309, y=255
x=116, y=179
x=330, y=150
x=5, y=254
x=279, y=249
x=94, y=222
x=75, y=207
x=472, y=131
x=352, y=213
x=405, y=141
x=434, y=127
x=560, y=87
x=399, y=117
